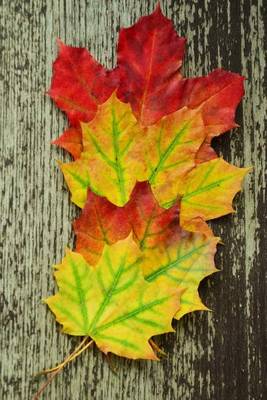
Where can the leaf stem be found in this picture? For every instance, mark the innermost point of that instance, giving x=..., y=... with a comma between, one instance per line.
x=47, y=371
x=54, y=371
x=157, y=348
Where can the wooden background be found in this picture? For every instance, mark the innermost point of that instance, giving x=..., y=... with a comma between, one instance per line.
x=220, y=355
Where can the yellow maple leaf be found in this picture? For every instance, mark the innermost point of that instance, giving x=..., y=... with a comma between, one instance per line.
x=112, y=155
x=209, y=190
x=170, y=149
x=182, y=264
x=111, y=302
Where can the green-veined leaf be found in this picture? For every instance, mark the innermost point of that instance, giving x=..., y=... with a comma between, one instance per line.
x=112, y=303
x=182, y=264
x=208, y=193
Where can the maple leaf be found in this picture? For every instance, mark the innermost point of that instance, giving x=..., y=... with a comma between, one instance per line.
x=79, y=84
x=95, y=301
x=151, y=224
x=183, y=263
x=150, y=55
x=219, y=93
x=112, y=155
x=208, y=193
x=100, y=223
x=149, y=59
x=170, y=147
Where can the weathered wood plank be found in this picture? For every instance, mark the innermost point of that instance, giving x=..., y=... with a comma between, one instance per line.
x=220, y=355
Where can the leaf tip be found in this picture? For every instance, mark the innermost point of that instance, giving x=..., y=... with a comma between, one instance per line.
x=158, y=8
x=55, y=141
x=207, y=309
x=59, y=43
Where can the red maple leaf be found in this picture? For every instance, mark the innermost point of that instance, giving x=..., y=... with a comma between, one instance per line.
x=79, y=84
x=149, y=59
x=150, y=56
x=101, y=222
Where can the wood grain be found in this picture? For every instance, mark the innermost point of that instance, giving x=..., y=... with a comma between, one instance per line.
x=220, y=355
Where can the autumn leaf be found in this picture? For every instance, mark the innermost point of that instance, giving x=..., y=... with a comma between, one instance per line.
x=71, y=140
x=208, y=193
x=150, y=56
x=100, y=223
x=112, y=303
x=170, y=147
x=79, y=83
x=183, y=263
x=151, y=224
x=113, y=152
x=112, y=155
x=219, y=94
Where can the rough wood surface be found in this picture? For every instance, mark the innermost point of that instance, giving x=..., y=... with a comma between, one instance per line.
x=220, y=355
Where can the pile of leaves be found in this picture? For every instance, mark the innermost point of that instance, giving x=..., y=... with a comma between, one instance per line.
x=146, y=179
